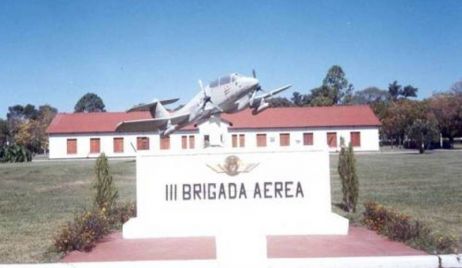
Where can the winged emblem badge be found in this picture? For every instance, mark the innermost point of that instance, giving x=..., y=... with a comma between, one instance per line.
x=232, y=166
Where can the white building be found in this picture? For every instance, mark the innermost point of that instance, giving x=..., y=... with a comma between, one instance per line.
x=82, y=135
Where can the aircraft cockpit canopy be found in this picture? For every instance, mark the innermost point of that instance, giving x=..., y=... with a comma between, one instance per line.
x=223, y=80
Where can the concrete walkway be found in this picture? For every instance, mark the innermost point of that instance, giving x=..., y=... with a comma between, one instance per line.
x=358, y=243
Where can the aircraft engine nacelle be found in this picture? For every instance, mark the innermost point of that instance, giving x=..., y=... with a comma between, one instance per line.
x=170, y=129
x=263, y=106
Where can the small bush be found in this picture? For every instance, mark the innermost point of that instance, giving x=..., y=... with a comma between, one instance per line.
x=106, y=192
x=403, y=228
x=15, y=153
x=121, y=214
x=348, y=177
x=82, y=233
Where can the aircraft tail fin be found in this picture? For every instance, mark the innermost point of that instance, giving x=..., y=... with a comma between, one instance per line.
x=159, y=111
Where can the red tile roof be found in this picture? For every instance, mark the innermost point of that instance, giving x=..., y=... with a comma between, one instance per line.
x=296, y=117
x=287, y=117
x=91, y=122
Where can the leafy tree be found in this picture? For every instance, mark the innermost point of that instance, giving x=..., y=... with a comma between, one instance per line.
x=299, y=99
x=89, y=103
x=4, y=132
x=336, y=82
x=280, y=102
x=399, y=115
x=370, y=95
x=106, y=192
x=394, y=90
x=409, y=91
x=17, y=115
x=423, y=132
x=27, y=125
x=447, y=109
x=15, y=153
x=349, y=179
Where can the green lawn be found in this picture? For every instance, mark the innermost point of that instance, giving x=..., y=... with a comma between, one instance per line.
x=36, y=198
x=427, y=187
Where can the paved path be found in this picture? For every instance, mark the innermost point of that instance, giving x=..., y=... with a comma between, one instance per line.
x=359, y=242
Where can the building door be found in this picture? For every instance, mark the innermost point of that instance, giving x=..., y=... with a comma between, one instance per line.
x=71, y=146
x=284, y=139
x=165, y=143
x=261, y=140
x=355, y=139
x=95, y=145
x=332, y=139
x=118, y=145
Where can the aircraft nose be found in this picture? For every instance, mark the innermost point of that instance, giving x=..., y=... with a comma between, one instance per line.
x=251, y=82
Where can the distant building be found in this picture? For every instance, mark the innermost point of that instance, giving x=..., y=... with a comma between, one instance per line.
x=83, y=135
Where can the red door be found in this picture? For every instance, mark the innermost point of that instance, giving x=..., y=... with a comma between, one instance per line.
x=332, y=139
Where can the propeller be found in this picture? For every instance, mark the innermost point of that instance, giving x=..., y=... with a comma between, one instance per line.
x=258, y=88
x=206, y=98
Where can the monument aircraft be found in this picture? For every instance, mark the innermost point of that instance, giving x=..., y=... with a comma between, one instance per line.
x=228, y=94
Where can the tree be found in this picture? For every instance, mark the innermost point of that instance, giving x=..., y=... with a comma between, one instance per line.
x=280, y=102
x=27, y=126
x=423, y=132
x=337, y=83
x=409, y=91
x=299, y=99
x=17, y=115
x=89, y=103
x=106, y=192
x=394, y=90
x=370, y=95
x=447, y=109
x=349, y=179
x=335, y=89
x=399, y=115
x=4, y=132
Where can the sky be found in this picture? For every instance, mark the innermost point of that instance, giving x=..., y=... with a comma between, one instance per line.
x=131, y=52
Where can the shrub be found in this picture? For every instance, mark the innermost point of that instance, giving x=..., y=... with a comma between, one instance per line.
x=121, y=213
x=15, y=153
x=401, y=227
x=106, y=192
x=349, y=178
x=83, y=232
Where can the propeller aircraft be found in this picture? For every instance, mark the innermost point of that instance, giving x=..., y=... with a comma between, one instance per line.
x=228, y=94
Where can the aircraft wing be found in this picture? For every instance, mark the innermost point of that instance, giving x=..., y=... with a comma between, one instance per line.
x=272, y=93
x=152, y=105
x=150, y=124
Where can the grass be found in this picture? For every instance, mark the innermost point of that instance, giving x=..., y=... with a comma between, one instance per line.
x=36, y=198
x=427, y=187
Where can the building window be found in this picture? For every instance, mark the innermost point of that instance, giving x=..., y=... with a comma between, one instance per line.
x=332, y=139
x=355, y=138
x=261, y=140
x=206, y=141
x=118, y=145
x=165, y=143
x=142, y=143
x=184, y=142
x=284, y=139
x=241, y=140
x=234, y=140
x=238, y=140
x=94, y=145
x=308, y=138
x=192, y=142
x=71, y=146
x=187, y=142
